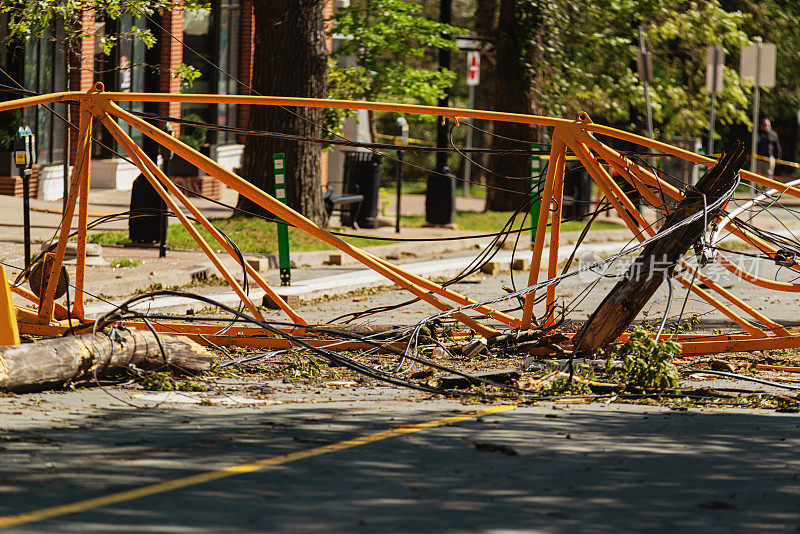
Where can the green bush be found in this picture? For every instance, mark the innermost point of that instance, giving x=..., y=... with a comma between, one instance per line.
x=193, y=136
x=645, y=362
x=10, y=121
x=162, y=381
x=159, y=382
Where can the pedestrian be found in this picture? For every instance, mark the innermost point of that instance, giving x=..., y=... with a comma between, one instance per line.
x=768, y=148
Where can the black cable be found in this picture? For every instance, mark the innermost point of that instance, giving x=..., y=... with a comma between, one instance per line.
x=685, y=300
x=147, y=213
x=333, y=357
x=490, y=171
x=484, y=256
x=378, y=345
x=298, y=115
x=323, y=141
x=383, y=238
x=349, y=363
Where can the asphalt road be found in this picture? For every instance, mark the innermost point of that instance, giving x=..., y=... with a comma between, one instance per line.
x=547, y=468
x=84, y=461
x=580, y=294
x=266, y=460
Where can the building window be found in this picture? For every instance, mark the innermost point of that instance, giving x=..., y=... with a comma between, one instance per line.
x=129, y=74
x=44, y=72
x=228, y=53
x=213, y=37
x=124, y=71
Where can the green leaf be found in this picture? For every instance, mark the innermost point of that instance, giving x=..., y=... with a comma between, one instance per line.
x=393, y=46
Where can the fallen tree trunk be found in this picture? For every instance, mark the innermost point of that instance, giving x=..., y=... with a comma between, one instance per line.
x=59, y=361
x=658, y=259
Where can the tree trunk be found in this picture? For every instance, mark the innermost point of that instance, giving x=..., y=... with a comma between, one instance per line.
x=512, y=93
x=55, y=362
x=372, y=124
x=290, y=60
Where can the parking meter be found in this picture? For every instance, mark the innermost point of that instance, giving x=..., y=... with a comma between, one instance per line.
x=25, y=158
x=401, y=135
x=24, y=148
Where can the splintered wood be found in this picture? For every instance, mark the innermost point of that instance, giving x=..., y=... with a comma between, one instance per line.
x=657, y=260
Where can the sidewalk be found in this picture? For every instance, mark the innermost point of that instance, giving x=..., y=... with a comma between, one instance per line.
x=46, y=216
x=181, y=267
x=328, y=282
x=341, y=275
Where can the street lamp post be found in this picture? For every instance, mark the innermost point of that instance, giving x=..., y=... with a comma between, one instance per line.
x=758, y=63
x=440, y=198
x=400, y=139
x=25, y=157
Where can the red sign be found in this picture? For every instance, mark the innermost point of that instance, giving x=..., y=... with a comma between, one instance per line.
x=473, y=68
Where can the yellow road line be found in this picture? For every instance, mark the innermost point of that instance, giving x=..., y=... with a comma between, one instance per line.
x=180, y=483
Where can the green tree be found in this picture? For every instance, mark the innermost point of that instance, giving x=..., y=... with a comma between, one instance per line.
x=290, y=60
x=593, y=69
x=389, y=40
x=777, y=21
x=520, y=68
x=679, y=37
x=33, y=18
x=568, y=56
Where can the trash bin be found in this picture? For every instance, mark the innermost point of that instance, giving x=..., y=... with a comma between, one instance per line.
x=440, y=197
x=362, y=176
x=577, y=194
x=147, y=210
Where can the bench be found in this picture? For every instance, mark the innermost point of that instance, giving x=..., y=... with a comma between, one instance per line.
x=339, y=201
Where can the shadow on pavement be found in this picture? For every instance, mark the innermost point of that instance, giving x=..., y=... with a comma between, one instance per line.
x=587, y=469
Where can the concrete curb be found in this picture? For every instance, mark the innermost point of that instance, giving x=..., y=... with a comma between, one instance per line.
x=436, y=246
x=339, y=284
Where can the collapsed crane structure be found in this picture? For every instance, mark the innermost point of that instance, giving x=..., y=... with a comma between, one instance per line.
x=696, y=211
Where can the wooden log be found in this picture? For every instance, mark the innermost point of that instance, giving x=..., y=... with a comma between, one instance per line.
x=521, y=264
x=292, y=301
x=658, y=259
x=491, y=267
x=55, y=362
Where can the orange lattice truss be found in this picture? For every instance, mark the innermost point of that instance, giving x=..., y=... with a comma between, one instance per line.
x=50, y=318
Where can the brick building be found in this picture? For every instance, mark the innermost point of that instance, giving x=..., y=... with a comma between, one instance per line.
x=218, y=42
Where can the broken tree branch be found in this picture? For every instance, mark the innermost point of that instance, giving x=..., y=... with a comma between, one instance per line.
x=55, y=362
x=658, y=259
